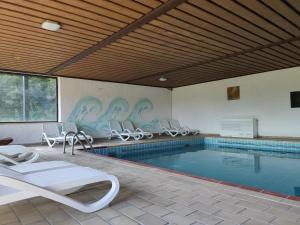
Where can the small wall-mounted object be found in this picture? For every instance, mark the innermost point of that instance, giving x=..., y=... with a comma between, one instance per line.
x=295, y=99
x=239, y=127
x=233, y=93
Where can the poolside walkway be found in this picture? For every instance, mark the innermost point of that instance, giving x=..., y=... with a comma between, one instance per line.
x=151, y=196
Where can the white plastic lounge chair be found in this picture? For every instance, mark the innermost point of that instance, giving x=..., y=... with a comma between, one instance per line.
x=71, y=127
x=116, y=130
x=40, y=166
x=127, y=124
x=166, y=128
x=16, y=154
x=176, y=125
x=52, y=134
x=55, y=184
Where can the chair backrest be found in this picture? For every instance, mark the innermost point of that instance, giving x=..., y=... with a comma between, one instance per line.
x=127, y=124
x=164, y=123
x=52, y=129
x=175, y=123
x=70, y=126
x=115, y=125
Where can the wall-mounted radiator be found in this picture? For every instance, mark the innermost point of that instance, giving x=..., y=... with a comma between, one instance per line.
x=239, y=127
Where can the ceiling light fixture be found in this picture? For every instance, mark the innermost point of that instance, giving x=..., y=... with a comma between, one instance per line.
x=163, y=79
x=51, y=25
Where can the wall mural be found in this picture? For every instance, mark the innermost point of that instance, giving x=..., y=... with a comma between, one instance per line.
x=89, y=115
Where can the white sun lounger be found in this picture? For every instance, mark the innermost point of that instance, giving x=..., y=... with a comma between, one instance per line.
x=71, y=127
x=16, y=154
x=116, y=130
x=166, y=128
x=40, y=166
x=55, y=184
x=184, y=129
x=53, y=135
x=127, y=124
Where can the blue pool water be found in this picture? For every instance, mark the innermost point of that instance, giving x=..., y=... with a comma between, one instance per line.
x=272, y=171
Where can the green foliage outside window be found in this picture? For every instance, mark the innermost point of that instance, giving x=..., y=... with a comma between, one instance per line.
x=27, y=98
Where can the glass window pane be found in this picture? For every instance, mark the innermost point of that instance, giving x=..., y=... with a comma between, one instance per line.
x=11, y=98
x=41, y=99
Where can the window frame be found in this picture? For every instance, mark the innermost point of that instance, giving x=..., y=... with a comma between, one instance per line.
x=41, y=121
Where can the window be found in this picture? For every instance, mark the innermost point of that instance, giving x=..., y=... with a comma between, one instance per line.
x=26, y=98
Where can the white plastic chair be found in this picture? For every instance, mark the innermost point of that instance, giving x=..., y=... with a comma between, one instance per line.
x=184, y=129
x=127, y=124
x=17, y=154
x=71, y=127
x=116, y=130
x=52, y=134
x=55, y=184
x=166, y=128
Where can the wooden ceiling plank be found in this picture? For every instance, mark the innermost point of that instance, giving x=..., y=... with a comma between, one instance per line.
x=189, y=33
x=36, y=16
x=165, y=35
x=133, y=13
x=291, y=47
x=150, y=3
x=58, y=14
x=37, y=52
x=40, y=36
x=40, y=32
x=8, y=40
x=230, y=17
x=283, y=9
x=172, y=44
x=270, y=15
x=109, y=13
x=151, y=52
x=200, y=31
x=169, y=49
x=257, y=20
x=260, y=60
x=287, y=52
x=142, y=53
x=85, y=14
x=211, y=28
x=199, y=13
x=269, y=58
x=63, y=32
x=39, y=43
x=295, y=4
x=131, y=27
x=133, y=5
x=262, y=48
x=191, y=38
x=281, y=55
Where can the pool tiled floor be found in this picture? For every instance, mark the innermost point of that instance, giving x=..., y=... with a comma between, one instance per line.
x=151, y=196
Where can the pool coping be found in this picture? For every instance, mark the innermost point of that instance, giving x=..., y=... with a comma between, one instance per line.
x=226, y=183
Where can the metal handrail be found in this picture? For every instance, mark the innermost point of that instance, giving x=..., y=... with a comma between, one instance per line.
x=87, y=140
x=78, y=139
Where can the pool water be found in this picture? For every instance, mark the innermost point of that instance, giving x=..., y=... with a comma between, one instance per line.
x=270, y=171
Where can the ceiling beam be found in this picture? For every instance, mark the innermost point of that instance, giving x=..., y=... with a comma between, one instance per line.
x=216, y=59
x=171, y=4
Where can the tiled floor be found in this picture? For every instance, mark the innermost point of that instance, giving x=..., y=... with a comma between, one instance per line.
x=152, y=196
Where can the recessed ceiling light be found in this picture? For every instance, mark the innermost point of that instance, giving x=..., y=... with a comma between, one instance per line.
x=162, y=79
x=51, y=25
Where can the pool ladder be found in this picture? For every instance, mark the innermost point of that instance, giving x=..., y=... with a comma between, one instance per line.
x=76, y=135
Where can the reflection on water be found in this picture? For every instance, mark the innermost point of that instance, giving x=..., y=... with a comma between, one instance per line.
x=271, y=171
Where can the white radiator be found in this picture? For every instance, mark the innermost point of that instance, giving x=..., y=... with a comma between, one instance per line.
x=239, y=127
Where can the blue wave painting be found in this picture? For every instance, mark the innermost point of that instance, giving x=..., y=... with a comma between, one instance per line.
x=88, y=115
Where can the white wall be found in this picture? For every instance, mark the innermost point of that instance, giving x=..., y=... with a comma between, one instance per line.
x=92, y=103
x=88, y=103
x=265, y=96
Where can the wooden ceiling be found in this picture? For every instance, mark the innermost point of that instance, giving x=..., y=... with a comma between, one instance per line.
x=138, y=41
